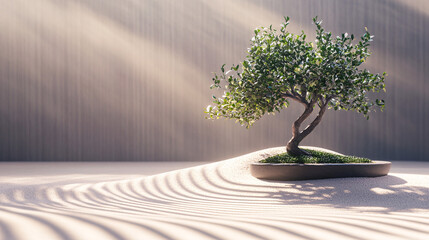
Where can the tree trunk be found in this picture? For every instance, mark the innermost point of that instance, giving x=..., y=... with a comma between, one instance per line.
x=292, y=146
x=293, y=149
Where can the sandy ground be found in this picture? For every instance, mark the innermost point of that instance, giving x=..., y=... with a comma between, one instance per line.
x=219, y=200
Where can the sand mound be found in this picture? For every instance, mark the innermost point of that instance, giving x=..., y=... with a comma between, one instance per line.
x=218, y=201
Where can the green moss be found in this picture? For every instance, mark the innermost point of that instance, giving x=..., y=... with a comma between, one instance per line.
x=316, y=157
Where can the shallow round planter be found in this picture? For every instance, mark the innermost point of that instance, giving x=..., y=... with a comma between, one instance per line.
x=290, y=171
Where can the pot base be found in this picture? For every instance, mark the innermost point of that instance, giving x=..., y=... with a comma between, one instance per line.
x=291, y=172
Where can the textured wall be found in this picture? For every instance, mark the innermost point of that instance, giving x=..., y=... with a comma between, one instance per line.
x=109, y=80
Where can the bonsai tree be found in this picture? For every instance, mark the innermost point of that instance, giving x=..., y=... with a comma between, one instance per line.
x=282, y=66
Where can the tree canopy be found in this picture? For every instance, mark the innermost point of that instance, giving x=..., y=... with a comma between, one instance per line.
x=281, y=66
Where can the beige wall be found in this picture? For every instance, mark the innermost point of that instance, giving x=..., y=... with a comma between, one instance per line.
x=105, y=80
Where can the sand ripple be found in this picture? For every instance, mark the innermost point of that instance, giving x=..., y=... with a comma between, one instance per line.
x=218, y=201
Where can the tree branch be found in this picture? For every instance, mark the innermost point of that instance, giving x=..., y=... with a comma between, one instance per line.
x=288, y=95
x=303, y=91
x=307, y=112
x=295, y=127
x=296, y=98
x=300, y=97
x=329, y=98
x=315, y=122
x=321, y=103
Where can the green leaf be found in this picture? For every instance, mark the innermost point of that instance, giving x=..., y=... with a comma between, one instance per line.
x=278, y=62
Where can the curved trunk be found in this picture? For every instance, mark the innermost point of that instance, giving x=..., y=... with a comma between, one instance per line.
x=292, y=146
x=293, y=149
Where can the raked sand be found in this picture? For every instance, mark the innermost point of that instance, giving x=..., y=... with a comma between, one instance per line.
x=221, y=200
